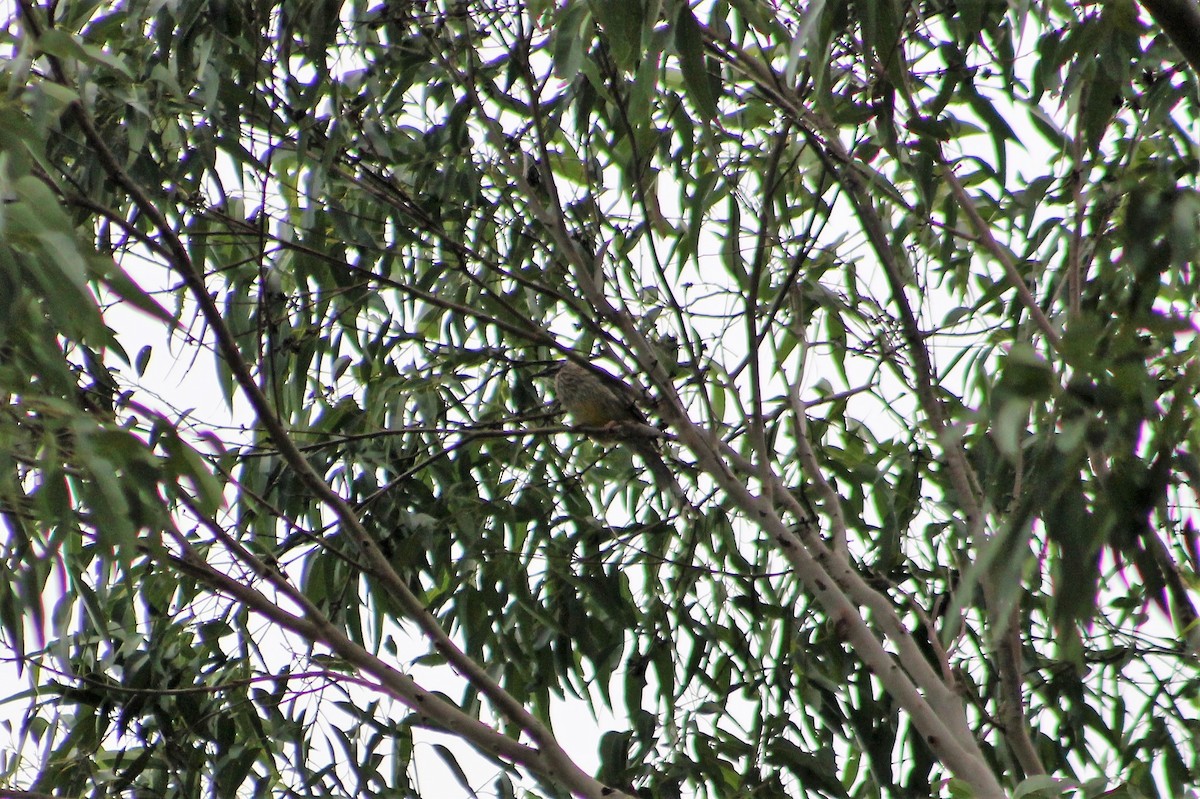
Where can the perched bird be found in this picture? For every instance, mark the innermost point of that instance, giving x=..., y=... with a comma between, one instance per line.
x=597, y=400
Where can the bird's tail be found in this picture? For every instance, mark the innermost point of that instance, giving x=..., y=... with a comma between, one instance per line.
x=664, y=478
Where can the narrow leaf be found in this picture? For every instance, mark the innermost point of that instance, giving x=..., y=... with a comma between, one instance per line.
x=690, y=44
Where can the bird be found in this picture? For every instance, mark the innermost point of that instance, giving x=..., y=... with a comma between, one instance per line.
x=608, y=408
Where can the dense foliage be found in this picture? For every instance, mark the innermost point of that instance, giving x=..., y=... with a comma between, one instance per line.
x=910, y=287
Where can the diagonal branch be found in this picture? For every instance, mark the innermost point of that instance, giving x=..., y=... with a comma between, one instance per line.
x=984, y=232
x=1180, y=20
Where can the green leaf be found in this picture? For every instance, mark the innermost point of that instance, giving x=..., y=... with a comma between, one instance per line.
x=1043, y=785
x=142, y=360
x=1026, y=373
x=689, y=43
x=106, y=497
x=60, y=44
x=569, y=42
x=456, y=770
x=623, y=21
x=881, y=33
x=121, y=285
x=184, y=462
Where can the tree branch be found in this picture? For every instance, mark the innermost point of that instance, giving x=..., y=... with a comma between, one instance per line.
x=1180, y=20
